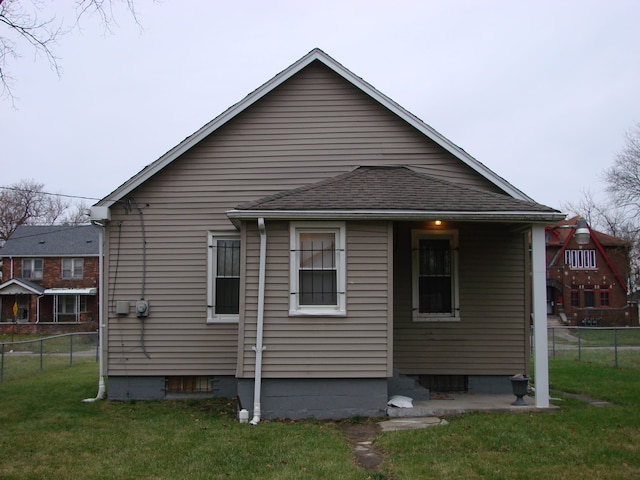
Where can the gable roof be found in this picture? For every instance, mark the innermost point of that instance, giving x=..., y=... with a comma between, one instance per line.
x=51, y=241
x=315, y=55
x=392, y=192
x=20, y=286
x=558, y=236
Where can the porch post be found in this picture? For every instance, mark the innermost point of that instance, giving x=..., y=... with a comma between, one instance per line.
x=539, y=304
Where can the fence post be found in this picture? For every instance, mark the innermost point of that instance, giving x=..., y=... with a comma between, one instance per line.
x=615, y=345
x=579, y=344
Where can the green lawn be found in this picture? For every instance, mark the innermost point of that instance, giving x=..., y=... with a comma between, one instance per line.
x=48, y=432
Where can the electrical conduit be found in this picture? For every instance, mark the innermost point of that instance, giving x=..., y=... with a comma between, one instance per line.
x=259, y=348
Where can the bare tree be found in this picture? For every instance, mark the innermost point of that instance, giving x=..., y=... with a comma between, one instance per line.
x=76, y=215
x=25, y=203
x=623, y=178
x=33, y=23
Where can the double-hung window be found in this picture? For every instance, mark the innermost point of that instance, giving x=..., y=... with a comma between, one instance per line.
x=435, y=276
x=32, y=268
x=317, y=268
x=223, y=294
x=72, y=268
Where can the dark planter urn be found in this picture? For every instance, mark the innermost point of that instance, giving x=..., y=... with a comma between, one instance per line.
x=520, y=385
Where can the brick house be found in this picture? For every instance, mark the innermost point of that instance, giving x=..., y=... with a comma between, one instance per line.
x=587, y=284
x=50, y=279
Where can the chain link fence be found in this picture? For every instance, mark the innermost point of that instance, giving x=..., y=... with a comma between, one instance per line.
x=615, y=346
x=21, y=358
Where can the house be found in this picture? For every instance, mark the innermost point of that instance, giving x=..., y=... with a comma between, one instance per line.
x=310, y=244
x=587, y=284
x=51, y=279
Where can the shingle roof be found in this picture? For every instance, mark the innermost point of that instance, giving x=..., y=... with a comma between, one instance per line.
x=392, y=188
x=52, y=240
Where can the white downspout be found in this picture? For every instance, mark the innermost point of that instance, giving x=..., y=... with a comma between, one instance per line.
x=539, y=301
x=259, y=348
x=102, y=300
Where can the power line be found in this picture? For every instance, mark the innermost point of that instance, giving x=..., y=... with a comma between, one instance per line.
x=24, y=190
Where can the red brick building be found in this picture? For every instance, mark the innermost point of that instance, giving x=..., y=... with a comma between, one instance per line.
x=50, y=277
x=588, y=284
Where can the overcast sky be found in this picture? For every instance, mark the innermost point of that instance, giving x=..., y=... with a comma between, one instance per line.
x=542, y=92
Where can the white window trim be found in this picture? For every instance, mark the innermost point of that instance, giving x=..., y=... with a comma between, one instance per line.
x=212, y=259
x=32, y=269
x=452, y=235
x=73, y=261
x=339, y=229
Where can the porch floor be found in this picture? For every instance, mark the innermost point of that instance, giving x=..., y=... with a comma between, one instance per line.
x=458, y=403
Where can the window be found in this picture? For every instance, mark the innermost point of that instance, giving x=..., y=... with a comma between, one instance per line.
x=223, y=295
x=317, y=270
x=189, y=384
x=72, y=268
x=67, y=308
x=72, y=304
x=32, y=268
x=434, y=264
x=580, y=259
x=575, y=296
x=604, y=296
x=589, y=296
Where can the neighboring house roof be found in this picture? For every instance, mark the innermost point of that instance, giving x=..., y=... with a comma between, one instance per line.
x=558, y=234
x=52, y=241
x=313, y=56
x=393, y=192
x=20, y=286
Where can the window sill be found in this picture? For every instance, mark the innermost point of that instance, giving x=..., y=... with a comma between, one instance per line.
x=224, y=319
x=436, y=319
x=317, y=313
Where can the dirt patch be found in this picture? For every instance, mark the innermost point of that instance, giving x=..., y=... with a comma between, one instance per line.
x=361, y=438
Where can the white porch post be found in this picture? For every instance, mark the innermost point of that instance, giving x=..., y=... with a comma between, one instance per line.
x=539, y=304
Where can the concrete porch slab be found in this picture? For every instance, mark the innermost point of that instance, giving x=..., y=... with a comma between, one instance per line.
x=459, y=403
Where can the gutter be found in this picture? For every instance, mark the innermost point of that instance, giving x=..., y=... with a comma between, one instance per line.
x=259, y=348
x=543, y=218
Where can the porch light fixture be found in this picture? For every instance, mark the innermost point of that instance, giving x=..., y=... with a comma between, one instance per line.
x=438, y=222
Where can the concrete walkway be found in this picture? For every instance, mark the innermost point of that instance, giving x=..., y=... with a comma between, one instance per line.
x=458, y=403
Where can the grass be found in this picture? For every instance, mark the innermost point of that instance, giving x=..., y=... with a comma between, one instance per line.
x=578, y=441
x=47, y=432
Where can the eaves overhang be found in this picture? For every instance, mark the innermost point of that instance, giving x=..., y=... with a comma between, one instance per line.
x=543, y=218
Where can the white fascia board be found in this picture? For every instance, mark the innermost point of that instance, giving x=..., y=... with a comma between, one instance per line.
x=209, y=128
x=406, y=215
x=276, y=81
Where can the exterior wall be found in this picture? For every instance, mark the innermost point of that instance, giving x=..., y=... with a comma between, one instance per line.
x=123, y=388
x=561, y=279
x=328, y=399
x=357, y=345
x=491, y=336
x=313, y=127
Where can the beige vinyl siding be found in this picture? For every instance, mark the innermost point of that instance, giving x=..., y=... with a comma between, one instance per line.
x=312, y=127
x=489, y=339
x=355, y=346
